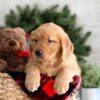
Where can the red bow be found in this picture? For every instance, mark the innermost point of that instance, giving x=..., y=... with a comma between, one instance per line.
x=24, y=53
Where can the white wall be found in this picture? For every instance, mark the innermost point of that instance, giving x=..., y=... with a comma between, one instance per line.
x=88, y=16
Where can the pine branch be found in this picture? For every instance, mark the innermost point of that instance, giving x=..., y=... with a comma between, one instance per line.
x=30, y=18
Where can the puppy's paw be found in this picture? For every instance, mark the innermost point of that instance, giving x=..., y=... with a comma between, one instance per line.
x=32, y=84
x=61, y=87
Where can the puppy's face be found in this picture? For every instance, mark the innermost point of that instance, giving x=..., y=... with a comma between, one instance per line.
x=48, y=42
x=44, y=45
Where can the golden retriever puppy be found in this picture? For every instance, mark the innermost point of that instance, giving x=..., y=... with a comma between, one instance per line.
x=51, y=55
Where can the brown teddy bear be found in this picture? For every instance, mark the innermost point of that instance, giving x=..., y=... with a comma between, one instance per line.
x=12, y=46
x=13, y=57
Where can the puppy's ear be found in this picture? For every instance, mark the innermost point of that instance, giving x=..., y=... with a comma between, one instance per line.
x=31, y=48
x=30, y=42
x=66, y=46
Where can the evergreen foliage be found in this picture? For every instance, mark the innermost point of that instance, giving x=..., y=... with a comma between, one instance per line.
x=90, y=75
x=30, y=18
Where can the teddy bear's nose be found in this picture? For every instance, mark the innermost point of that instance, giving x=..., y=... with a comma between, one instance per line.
x=12, y=43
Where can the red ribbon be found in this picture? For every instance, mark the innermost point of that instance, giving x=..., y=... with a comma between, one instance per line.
x=24, y=53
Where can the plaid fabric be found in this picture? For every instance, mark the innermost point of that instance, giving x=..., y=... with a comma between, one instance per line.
x=46, y=91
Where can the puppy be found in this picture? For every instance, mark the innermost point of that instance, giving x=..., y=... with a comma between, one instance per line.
x=51, y=55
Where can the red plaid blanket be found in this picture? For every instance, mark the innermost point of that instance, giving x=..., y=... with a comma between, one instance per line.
x=46, y=91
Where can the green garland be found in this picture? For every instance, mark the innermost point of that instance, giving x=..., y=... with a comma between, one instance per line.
x=30, y=18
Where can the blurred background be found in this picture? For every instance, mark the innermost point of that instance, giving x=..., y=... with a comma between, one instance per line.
x=87, y=16
x=80, y=18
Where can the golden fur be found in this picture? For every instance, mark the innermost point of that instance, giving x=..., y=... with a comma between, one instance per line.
x=58, y=58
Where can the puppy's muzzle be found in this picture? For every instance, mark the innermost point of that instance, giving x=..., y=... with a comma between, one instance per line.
x=39, y=53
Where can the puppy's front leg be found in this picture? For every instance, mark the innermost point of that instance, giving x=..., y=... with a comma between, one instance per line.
x=62, y=80
x=32, y=81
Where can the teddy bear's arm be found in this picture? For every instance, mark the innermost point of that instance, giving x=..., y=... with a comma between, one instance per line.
x=3, y=65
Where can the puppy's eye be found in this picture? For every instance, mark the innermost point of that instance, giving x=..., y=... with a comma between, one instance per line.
x=51, y=41
x=34, y=40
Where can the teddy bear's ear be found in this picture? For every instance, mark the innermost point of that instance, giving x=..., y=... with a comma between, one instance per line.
x=20, y=30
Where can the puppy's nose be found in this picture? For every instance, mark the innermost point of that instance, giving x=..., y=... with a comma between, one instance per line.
x=12, y=43
x=39, y=53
